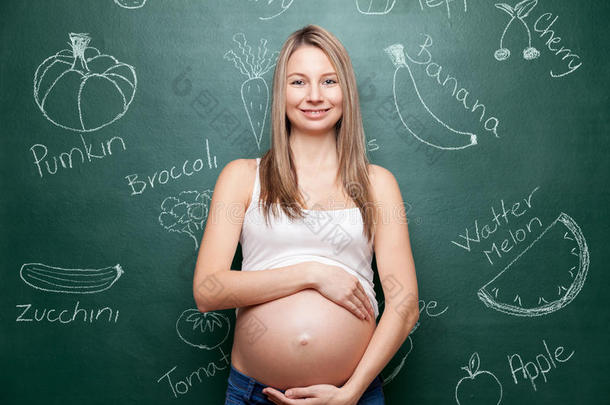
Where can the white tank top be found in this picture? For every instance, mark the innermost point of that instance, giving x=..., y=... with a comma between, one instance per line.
x=333, y=237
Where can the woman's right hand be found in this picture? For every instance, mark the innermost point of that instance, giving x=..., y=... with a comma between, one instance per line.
x=341, y=287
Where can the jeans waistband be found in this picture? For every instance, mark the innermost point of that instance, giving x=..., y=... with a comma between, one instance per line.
x=243, y=381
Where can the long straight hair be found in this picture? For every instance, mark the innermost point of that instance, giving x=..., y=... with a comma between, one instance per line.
x=278, y=177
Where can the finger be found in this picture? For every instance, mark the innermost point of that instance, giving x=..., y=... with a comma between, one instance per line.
x=357, y=307
x=272, y=395
x=366, y=301
x=363, y=301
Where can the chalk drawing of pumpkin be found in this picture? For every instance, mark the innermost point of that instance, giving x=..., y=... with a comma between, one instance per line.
x=82, y=89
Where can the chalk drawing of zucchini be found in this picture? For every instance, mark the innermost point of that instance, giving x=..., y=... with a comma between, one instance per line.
x=73, y=281
x=254, y=91
x=82, y=89
x=403, y=74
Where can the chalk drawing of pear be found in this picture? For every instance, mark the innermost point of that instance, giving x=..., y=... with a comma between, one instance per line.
x=207, y=330
x=518, y=12
x=254, y=91
x=372, y=7
x=449, y=138
x=131, y=4
x=82, y=89
x=479, y=386
x=272, y=6
x=545, y=277
x=186, y=213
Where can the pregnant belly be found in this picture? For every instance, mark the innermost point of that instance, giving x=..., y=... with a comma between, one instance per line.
x=299, y=340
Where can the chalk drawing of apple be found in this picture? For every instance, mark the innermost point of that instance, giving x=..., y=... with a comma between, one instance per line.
x=478, y=387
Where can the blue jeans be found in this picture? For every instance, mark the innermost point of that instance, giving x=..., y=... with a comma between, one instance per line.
x=244, y=390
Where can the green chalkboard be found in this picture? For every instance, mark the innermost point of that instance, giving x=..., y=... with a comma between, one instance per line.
x=492, y=117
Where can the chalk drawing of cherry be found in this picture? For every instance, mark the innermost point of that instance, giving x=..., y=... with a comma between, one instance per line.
x=82, y=89
x=519, y=12
x=478, y=387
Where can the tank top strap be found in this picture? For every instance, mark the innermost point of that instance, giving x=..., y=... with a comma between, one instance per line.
x=257, y=186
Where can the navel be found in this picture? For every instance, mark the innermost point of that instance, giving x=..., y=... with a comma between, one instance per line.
x=303, y=339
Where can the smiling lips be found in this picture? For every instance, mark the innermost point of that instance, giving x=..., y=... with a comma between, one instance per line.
x=315, y=113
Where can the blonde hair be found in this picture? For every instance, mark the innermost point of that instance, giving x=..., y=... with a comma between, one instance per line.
x=278, y=176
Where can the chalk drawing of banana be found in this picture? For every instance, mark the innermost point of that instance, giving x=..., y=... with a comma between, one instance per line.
x=254, y=91
x=82, y=89
x=375, y=7
x=452, y=139
x=545, y=277
x=284, y=5
x=130, y=4
x=519, y=11
x=73, y=281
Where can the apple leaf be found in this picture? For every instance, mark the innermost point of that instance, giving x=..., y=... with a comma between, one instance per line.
x=473, y=364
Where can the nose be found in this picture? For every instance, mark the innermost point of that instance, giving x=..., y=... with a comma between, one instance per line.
x=314, y=94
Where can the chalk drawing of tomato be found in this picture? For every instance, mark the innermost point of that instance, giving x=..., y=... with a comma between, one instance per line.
x=82, y=89
x=130, y=3
x=545, y=277
x=206, y=330
x=375, y=6
x=478, y=387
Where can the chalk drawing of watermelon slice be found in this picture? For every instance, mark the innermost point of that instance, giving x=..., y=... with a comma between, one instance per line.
x=545, y=277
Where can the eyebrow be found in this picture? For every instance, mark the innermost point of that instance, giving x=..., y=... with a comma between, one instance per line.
x=303, y=74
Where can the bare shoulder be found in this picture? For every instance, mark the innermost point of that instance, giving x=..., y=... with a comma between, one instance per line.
x=383, y=182
x=238, y=176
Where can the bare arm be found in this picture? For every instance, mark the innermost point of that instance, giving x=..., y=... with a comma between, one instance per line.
x=232, y=289
x=397, y=276
x=214, y=285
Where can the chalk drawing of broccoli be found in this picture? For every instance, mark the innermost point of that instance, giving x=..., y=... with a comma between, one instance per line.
x=186, y=213
x=519, y=12
x=254, y=91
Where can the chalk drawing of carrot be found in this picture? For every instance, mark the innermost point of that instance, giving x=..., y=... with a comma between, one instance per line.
x=254, y=91
x=519, y=12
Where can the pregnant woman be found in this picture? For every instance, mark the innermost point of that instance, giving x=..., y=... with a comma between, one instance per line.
x=309, y=215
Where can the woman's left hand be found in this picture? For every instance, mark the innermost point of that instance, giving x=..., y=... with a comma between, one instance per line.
x=318, y=394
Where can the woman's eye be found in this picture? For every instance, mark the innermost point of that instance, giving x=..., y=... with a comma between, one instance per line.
x=329, y=80
x=297, y=82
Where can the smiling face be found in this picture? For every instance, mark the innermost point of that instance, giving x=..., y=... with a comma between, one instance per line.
x=314, y=101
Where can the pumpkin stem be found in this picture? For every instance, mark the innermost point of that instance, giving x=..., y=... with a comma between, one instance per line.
x=79, y=42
